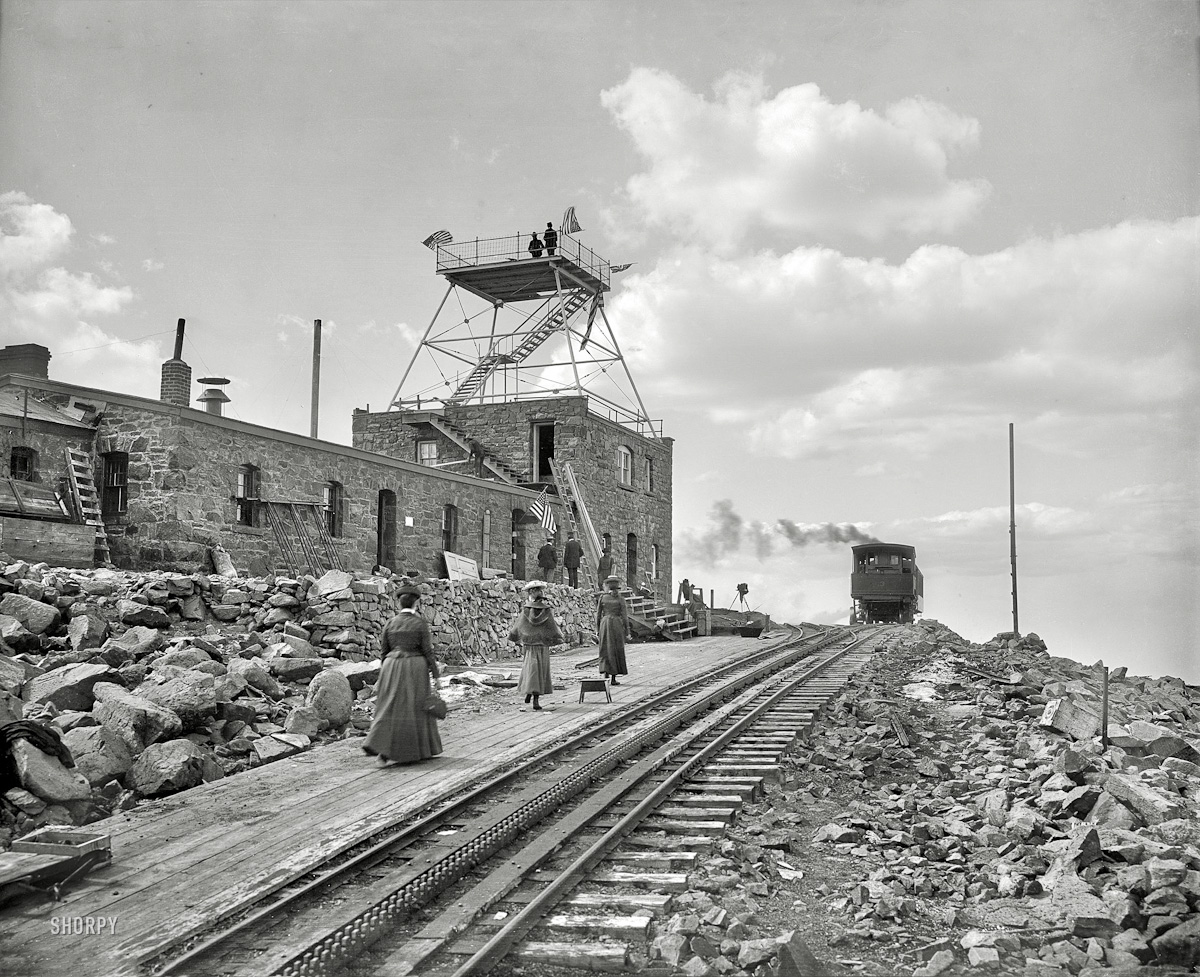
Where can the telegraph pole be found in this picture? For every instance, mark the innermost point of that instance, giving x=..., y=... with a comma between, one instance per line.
x=1012, y=525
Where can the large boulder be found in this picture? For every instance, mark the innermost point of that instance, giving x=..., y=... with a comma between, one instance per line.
x=14, y=636
x=330, y=696
x=147, y=615
x=44, y=775
x=87, y=630
x=360, y=673
x=36, y=617
x=134, y=644
x=12, y=675
x=100, y=753
x=190, y=695
x=294, y=669
x=185, y=657
x=70, y=687
x=331, y=582
x=167, y=767
x=254, y=675
x=134, y=718
x=11, y=707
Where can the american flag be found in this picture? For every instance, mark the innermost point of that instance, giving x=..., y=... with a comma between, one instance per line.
x=569, y=224
x=540, y=508
x=437, y=239
x=616, y=268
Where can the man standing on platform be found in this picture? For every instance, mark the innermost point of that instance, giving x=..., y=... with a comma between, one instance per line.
x=572, y=553
x=547, y=559
x=550, y=236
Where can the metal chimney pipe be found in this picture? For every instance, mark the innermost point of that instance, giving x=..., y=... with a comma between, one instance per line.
x=316, y=378
x=179, y=340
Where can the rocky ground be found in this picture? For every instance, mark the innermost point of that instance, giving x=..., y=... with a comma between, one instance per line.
x=940, y=821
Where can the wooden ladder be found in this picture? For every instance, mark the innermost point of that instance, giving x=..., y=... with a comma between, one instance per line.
x=87, y=503
x=572, y=499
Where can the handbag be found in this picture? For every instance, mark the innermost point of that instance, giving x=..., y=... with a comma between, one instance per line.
x=436, y=705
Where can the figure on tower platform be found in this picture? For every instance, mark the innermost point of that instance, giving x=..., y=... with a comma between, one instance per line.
x=535, y=245
x=551, y=238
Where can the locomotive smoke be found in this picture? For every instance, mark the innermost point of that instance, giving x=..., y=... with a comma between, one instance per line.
x=826, y=532
x=728, y=530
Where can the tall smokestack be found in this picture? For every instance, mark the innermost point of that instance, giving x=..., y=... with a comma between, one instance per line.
x=176, y=375
x=316, y=378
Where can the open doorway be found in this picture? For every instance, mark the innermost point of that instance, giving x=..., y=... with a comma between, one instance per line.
x=518, y=545
x=543, y=451
x=631, y=561
x=385, y=529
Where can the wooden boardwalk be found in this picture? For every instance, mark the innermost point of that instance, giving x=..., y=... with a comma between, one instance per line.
x=186, y=860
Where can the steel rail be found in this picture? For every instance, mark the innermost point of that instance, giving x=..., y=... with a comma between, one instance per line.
x=527, y=918
x=387, y=847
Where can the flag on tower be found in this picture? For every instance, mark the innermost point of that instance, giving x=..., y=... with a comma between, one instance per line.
x=616, y=268
x=540, y=509
x=437, y=240
x=569, y=224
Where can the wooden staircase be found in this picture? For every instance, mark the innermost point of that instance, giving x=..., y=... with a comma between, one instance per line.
x=675, y=625
x=290, y=522
x=82, y=479
x=503, y=470
x=554, y=316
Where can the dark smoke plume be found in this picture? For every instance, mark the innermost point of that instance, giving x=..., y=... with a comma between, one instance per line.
x=827, y=532
x=727, y=530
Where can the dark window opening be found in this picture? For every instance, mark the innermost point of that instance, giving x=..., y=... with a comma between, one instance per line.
x=22, y=464
x=518, y=545
x=332, y=502
x=114, y=499
x=247, y=496
x=631, y=560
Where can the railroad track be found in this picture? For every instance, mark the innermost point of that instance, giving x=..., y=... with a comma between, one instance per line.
x=619, y=812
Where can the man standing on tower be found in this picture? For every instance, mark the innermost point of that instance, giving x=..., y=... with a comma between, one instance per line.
x=550, y=236
x=547, y=559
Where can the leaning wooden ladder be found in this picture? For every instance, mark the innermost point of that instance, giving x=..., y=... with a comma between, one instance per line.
x=277, y=520
x=87, y=503
x=572, y=499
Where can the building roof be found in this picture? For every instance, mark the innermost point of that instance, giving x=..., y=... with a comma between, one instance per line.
x=13, y=403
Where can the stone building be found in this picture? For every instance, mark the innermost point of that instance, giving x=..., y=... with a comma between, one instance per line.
x=174, y=481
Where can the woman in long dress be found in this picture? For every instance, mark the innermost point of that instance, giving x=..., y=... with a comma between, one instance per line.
x=536, y=631
x=403, y=729
x=612, y=627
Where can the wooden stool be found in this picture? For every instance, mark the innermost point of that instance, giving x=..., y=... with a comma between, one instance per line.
x=593, y=685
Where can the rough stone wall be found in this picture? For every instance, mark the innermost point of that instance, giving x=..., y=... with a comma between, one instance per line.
x=587, y=441
x=183, y=467
x=50, y=446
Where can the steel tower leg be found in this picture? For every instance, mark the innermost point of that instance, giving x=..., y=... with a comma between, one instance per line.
x=420, y=345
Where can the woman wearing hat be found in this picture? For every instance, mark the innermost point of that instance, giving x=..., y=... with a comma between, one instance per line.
x=403, y=729
x=536, y=631
x=612, y=626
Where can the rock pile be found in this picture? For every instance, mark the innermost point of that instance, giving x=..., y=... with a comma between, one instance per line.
x=157, y=682
x=985, y=825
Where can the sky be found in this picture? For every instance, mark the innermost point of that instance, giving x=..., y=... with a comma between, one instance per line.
x=865, y=238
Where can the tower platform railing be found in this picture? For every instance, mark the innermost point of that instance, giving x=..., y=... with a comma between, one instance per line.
x=515, y=247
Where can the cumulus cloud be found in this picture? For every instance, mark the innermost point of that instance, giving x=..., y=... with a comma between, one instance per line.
x=822, y=352
x=794, y=162
x=149, y=264
x=42, y=301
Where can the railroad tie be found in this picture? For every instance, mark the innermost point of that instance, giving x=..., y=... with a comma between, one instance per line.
x=601, y=957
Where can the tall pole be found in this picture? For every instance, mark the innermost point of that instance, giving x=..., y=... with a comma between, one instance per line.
x=1012, y=525
x=316, y=378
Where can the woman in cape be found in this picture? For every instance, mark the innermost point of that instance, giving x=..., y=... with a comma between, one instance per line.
x=536, y=631
x=403, y=729
x=612, y=627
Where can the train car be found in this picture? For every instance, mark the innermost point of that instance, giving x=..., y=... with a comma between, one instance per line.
x=886, y=584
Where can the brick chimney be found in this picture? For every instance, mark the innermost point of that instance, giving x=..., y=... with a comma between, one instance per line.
x=176, y=375
x=28, y=359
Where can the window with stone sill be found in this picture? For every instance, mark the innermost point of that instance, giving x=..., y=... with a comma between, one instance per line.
x=248, y=493
x=22, y=463
x=332, y=502
x=624, y=466
x=114, y=496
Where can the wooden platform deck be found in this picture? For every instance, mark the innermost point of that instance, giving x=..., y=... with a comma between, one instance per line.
x=182, y=862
